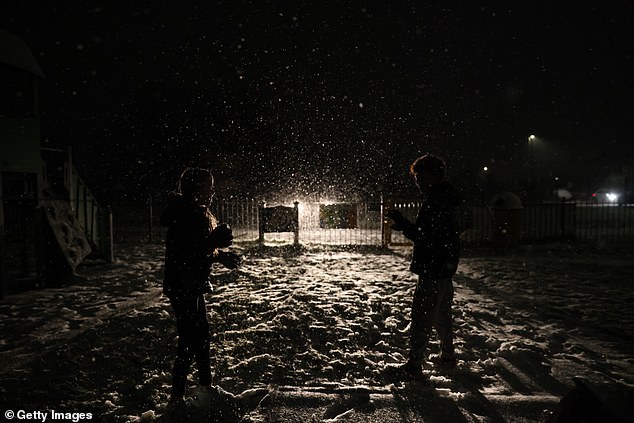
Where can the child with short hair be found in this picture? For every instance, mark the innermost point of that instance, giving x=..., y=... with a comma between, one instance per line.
x=435, y=260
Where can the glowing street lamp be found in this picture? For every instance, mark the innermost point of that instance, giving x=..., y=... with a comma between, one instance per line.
x=532, y=140
x=530, y=167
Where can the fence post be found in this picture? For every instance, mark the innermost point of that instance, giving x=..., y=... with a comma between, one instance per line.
x=296, y=231
x=386, y=230
x=261, y=222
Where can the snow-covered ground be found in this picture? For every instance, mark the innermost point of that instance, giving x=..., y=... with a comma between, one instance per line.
x=318, y=327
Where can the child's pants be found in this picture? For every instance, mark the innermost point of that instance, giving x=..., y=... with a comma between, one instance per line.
x=431, y=307
x=193, y=342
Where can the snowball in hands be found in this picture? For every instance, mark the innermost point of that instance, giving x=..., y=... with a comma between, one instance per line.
x=399, y=220
x=221, y=236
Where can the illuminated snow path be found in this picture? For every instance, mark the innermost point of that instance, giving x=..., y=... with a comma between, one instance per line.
x=318, y=324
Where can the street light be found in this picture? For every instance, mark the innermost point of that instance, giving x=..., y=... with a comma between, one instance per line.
x=484, y=184
x=532, y=140
x=530, y=168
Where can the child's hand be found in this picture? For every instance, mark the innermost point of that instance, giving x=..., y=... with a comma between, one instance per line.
x=399, y=220
x=229, y=260
x=221, y=236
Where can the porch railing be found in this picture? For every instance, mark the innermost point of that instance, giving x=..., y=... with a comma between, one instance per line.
x=68, y=185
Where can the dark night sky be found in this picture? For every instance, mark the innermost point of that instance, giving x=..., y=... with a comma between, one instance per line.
x=303, y=96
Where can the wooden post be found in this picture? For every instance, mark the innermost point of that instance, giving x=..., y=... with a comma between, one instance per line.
x=261, y=222
x=296, y=236
x=386, y=229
